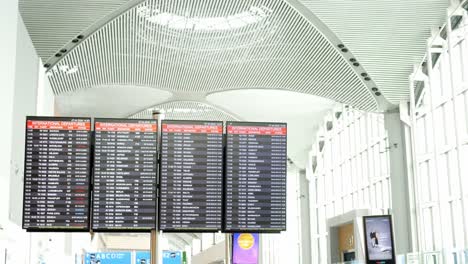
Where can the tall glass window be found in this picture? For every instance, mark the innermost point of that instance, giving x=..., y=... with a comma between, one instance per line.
x=441, y=136
x=354, y=171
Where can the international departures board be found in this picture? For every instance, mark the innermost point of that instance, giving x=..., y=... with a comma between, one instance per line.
x=57, y=173
x=256, y=169
x=191, y=176
x=125, y=167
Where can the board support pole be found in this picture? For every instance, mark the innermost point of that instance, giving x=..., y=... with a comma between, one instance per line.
x=227, y=251
x=157, y=115
x=154, y=246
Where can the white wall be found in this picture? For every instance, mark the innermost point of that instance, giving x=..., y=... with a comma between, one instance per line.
x=19, y=72
x=24, y=103
x=8, y=21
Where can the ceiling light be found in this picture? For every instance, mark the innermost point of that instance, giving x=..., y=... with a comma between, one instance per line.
x=63, y=69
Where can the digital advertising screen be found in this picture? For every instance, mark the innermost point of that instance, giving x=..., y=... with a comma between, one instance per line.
x=142, y=257
x=191, y=178
x=245, y=247
x=125, y=174
x=256, y=171
x=379, y=239
x=108, y=258
x=172, y=257
x=57, y=174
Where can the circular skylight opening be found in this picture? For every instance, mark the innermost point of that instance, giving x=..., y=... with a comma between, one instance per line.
x=254, y=15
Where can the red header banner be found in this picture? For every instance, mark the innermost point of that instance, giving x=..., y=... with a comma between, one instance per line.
x=58, y=125
x=257, y=130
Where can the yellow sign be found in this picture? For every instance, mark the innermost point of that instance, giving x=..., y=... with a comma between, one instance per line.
x=246, y=241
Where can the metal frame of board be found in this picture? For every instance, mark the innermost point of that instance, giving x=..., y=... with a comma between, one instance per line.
x=122, y=230
x=92, y=139
x=55, y=229
x=260, y=231
x=393, y=260
x=160, y=174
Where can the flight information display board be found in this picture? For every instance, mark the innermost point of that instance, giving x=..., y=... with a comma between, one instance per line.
x=125, y=161
x=57, y=174
x=256, y=169
x=191, y=176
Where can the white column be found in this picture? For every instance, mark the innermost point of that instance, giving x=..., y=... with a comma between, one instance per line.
x=400, y=208
x=304, y=220
x=8, y=27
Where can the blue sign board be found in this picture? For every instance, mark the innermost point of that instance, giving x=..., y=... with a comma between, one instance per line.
x=108, y=258
x=172, y=257
x=143, y=257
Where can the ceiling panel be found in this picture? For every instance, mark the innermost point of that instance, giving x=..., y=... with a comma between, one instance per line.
x=387, y=36
x=53, y=24
x=208, y=46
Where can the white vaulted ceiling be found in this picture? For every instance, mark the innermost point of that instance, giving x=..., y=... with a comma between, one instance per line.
x=53, y=24
x=189, y=47
x=388, y=37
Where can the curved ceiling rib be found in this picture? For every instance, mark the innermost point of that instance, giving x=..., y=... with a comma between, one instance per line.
x=207, y=46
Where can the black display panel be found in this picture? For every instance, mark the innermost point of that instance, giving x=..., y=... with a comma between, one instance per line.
x=57, y=174
x=256, y=169
x=191, y=176
x=378, y=233
x=125, y=162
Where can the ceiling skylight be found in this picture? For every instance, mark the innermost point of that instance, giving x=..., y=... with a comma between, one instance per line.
x=252, y=16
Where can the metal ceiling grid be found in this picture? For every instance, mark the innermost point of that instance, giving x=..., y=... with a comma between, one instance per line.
x=387, y=36
x=53, y=24
x=187, y=110
x=208, y=46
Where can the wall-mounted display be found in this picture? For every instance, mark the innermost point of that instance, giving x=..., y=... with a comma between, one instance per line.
x=379, y=239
